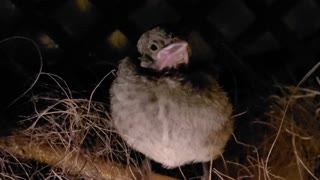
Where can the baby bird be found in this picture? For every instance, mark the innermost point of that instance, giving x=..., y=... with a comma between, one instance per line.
x=166, y=109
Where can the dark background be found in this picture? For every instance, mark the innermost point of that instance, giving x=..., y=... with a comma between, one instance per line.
x=262, y=42
x=256, y=44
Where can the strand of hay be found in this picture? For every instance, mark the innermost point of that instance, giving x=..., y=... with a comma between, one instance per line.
x=40, y=63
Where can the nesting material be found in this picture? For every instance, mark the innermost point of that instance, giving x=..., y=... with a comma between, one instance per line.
x=289, y=143
x=296, y=151
x=74, y=138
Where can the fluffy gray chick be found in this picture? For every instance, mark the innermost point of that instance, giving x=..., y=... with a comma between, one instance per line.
x=165, y=117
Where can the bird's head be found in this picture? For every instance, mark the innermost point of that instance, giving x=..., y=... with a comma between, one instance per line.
x=161, y=50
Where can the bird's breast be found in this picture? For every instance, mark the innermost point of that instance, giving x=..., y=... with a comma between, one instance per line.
x=154, y=114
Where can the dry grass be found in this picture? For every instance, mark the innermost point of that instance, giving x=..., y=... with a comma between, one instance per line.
x=67, y=135
x=290, y=144
x=296, y=151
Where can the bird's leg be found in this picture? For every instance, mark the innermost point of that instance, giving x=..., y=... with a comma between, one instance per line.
x=146, y=167
x=206, y=170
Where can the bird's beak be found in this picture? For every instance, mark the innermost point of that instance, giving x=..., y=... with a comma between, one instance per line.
x=172, y=55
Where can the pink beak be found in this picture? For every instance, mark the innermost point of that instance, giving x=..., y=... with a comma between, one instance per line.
x=172, y=55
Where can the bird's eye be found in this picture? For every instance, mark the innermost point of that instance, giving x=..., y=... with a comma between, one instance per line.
x=153, y=47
